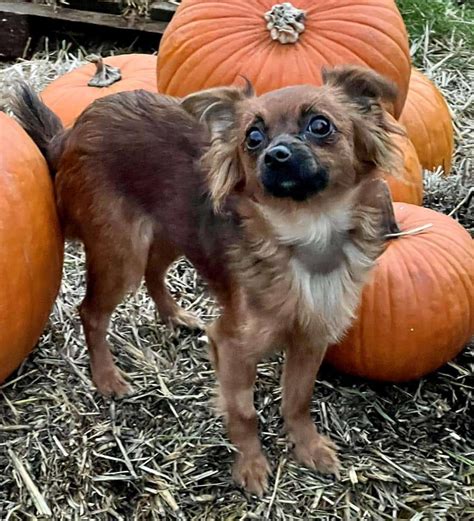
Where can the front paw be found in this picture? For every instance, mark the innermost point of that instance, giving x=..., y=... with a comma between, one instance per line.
x=318, y=452
x=251, y=473
x=110, y=382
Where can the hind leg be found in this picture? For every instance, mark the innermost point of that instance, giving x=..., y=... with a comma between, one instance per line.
x=110, y=275
x=162, y=254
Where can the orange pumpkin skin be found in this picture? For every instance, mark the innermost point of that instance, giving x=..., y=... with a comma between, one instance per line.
x=407, y=186
x=31, y=245
x=209, y=43
x=70, y=94
x=417, y=312
x=428, y=122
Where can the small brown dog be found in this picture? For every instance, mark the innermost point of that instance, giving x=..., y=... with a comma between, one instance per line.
x=274, y=199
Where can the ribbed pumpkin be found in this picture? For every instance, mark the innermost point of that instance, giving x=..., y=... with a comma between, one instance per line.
x=210, y=43
x=407, y=186
x=417, y=312
x=31, y=245
x=428, y=122
x=70, y=94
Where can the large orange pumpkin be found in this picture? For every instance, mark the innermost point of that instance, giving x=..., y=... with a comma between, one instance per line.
x=210, y=43
x=70, y=94
x=407, y=186
x=31, y=245
x=428, y=122
x=417, y=312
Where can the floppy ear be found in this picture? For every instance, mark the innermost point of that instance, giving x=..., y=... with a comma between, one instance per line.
x=360, y=83
x=217, y=109
x=370, y=94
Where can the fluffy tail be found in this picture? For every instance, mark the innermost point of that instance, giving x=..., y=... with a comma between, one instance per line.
x=40, y=123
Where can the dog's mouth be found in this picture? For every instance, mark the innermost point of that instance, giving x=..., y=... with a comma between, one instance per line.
x=293, y=174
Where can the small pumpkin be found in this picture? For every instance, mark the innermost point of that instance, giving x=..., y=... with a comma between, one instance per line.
x=209, y=43
x=406, y=186
x=31, y=245
x=417, y=312
x=71, y=93
x=428, y=122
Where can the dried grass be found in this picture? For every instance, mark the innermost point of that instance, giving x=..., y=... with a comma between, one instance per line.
x=68, y=454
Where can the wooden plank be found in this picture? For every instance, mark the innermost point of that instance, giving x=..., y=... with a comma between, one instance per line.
x=102, y=6
x=85, y=17
x=162, y=11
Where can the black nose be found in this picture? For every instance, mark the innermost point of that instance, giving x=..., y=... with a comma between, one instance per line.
x=277, y=154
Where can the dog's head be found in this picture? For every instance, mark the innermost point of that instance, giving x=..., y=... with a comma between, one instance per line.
x=297, y=142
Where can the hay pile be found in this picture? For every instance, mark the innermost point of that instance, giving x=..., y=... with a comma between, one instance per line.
x=407, y=450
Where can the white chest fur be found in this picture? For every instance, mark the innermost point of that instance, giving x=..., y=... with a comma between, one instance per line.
x=328, y=269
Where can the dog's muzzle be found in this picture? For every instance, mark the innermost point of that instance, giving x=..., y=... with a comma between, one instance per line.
x=290, y=170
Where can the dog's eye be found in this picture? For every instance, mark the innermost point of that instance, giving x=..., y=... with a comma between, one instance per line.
x=255, y=138
x=320, y=127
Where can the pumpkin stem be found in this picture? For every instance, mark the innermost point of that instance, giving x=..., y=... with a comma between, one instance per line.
x=105, y=75
x=413, y=231
x=285, y=22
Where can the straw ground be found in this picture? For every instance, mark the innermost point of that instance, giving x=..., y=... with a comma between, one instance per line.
x=67, y=454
